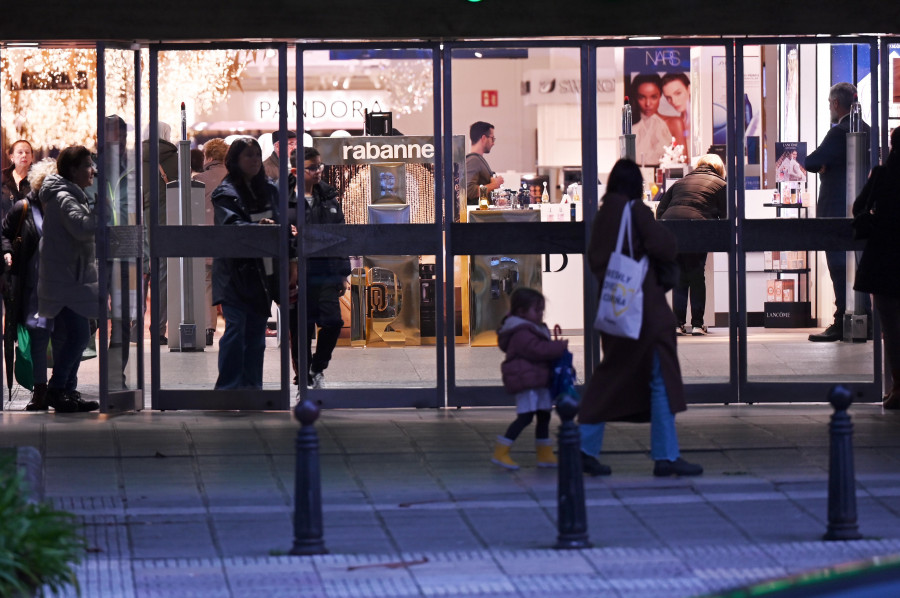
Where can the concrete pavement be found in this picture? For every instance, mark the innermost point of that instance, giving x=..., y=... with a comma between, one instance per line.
x=200, y=503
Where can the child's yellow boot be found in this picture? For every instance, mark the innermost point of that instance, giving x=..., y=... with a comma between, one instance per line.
x=545, y=456
x=501, y=454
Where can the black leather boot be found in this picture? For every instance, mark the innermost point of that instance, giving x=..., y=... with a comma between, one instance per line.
x=38, y=400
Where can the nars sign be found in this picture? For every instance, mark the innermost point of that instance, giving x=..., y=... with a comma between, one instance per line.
x=563, y=86
x=323, y=106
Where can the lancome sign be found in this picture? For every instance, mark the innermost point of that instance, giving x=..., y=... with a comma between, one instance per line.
x=563, y=86
x=337, y=107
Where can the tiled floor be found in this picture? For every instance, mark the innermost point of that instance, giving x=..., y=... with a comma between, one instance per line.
x=772, y=355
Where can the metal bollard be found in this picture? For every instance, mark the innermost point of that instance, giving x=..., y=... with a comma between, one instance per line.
x=571, y=513
x=308, y=529
x=842, y=523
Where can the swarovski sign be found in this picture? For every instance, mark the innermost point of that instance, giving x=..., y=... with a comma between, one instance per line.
x=563, y=86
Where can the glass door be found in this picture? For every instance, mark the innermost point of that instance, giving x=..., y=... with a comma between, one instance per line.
x=119, y=235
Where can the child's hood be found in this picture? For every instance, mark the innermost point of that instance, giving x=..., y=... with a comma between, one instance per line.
x=512, y=324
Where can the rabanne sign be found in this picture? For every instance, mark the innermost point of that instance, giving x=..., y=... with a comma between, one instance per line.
x=377, y=150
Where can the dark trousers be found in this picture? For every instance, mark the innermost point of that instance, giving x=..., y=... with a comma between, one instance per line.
x=889, y=311
x=241, y=349
x=541, y=432
x=70, y=336
x=691, y=285
x=837, y=269
x=323, y=310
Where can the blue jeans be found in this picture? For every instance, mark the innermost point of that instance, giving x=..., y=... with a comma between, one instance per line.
x=70, y=336
x=241, y=349
x=663, y=438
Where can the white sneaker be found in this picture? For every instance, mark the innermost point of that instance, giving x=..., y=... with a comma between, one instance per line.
x=318, y=380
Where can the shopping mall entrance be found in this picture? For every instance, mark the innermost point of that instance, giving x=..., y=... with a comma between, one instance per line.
x=432, y=272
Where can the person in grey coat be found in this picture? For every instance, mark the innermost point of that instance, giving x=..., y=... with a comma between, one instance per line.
x=67, y=284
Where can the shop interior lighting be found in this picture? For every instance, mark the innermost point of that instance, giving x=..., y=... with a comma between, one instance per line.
x=640, y=38
x=53, y=115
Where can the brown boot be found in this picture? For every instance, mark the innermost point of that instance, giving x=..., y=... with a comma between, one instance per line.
x=38, y=400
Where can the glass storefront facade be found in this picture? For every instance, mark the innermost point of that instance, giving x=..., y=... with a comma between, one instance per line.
x=431, y=269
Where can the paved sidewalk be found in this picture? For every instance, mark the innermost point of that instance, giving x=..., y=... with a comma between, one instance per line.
x=200, y=503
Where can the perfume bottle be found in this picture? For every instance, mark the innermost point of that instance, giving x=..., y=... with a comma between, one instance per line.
x=524, y=195
x=626, y=117
x=855, y=117
x=545, y=196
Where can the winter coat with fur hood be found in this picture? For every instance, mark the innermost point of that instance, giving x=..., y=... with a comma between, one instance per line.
x=530, y=354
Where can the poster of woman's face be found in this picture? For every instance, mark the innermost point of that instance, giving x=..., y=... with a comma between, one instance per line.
x=789, y=165
x=658, y=117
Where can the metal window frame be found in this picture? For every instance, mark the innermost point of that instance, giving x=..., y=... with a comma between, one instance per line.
x=205, y=241
x=380, y=239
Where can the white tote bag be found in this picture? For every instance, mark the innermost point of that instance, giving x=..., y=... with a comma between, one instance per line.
x=621, y=308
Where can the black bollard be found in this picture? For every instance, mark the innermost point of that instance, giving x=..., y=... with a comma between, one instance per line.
x=308, y=529
x=842, y=523
x=571, y=513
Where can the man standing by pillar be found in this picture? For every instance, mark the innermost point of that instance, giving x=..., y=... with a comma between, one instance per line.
x=326, y=277
x=829, y=161
x=478, y=171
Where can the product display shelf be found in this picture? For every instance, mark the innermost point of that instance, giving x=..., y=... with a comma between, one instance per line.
x=796, y=313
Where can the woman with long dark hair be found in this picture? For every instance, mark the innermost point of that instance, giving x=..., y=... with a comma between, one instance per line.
x=637, y=380
x=67, y=283
x=244, y=287
x=877, y=272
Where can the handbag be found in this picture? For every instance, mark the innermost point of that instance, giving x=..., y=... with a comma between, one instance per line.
x=24, y=366
x=621, y=308
x=562, y=381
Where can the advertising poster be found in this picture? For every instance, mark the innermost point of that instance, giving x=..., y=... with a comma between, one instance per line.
x=658, y=87
x=752, y=104
x=894, y=110
x=789, y=164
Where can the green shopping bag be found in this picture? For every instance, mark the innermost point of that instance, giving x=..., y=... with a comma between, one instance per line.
x=24, y=367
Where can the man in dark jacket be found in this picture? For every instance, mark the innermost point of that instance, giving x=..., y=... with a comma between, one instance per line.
x=326, y=277
x=166, y=171
x=829, y=160
x=701, y=195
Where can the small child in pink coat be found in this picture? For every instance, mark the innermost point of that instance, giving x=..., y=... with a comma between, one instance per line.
x=527, y=369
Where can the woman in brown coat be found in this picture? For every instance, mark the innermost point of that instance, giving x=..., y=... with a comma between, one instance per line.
x=637, y=380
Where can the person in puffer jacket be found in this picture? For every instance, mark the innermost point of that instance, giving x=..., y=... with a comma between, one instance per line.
x=67, y=283
x=526, y=371
x=701, y=195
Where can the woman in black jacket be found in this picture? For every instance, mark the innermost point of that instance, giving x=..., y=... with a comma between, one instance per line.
x=244, y=287
x=22, y=229
x=877, y=272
